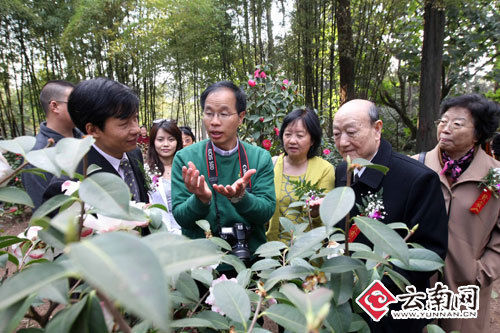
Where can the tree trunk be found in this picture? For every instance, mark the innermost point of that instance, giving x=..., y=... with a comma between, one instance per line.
x=430, y=75
x=345, y=42
x=306, y=12
x=270, y=38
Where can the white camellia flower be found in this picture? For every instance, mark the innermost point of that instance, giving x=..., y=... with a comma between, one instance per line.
x=103, y=224
x=41, y=250
x=211, y=298
x=69, y=187
x=5, y=169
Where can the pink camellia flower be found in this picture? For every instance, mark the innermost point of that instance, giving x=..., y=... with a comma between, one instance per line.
x=39, y=251
x=261, y=119
x=267, y=144
x=498, y=187
x=375, y=215
x=256, y=73
x=285, y=81
x=277, y=131
x=251, y=83
x=211, y=298
x=263, y=75
x=326, y=151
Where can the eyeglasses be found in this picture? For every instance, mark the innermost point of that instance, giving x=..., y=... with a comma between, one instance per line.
x=454, y=124
x=62, y=102
x=222, y=115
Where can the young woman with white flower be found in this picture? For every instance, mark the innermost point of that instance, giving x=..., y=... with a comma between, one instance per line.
x=165, y=141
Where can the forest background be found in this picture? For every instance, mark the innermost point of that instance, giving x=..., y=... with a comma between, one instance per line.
x=404, y=55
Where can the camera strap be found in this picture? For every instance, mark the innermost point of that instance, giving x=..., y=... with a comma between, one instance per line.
x=213, y=175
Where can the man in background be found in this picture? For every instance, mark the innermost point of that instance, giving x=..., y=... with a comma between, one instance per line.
x=54, y=99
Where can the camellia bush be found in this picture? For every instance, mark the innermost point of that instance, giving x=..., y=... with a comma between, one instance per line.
x=270, y=97
x=102, y=276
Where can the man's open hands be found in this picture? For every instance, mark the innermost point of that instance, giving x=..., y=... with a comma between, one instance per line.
x=197, y=184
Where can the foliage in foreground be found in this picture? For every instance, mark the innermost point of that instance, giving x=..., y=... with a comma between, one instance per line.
x=159, y=282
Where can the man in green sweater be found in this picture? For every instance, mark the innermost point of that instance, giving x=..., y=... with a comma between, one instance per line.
x=223, y=180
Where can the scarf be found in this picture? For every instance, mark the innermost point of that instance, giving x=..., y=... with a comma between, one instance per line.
x=454, y=168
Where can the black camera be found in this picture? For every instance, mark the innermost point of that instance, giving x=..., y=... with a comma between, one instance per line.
x=237, y=236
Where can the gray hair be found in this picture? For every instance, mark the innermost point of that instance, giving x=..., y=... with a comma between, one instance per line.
x=373, y=113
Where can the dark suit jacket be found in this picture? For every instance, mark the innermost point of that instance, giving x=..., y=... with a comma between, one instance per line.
x=94, y=157
x=412, y=195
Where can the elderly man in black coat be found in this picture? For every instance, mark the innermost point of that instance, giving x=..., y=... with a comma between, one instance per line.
x=411, y=194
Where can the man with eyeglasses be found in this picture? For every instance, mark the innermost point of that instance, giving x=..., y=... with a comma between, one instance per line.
x=411, y=194
x=222, y=179
x=54, y=100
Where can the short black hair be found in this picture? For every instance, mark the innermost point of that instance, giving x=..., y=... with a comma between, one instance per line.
x=95, y=100
x=311, y=122
x=241, y=97
x=485, y=113
x=53, y=91
x=187, y=130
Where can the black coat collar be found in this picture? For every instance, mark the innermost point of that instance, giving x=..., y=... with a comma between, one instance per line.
x=370, y=177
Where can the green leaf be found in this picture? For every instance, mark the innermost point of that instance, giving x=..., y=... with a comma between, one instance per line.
x=20, y=145
x=339, y=317
x=203, y=275
x=218, y=322
x=431, y=328
x=15, y=195
x=341, y=264
x=44, y=159
x=420, y=260
x=93, y=168
x=383, y=237
x=232, y=299
x=398, y=279
x=297, y=204
x=244, y=277
x=3, y=259
x=341, y=285
x=66, y=221
x=156, y=218
x=127, y=270
x=70, y=151
x=10, y=240
x=398, y=225
x=306, y=242
x=311, y=305
x=64, y=320
x=358, y=324
x=12, y=315
x=28, y=281
x=336, y=204
x=52, y=237
x=234, y=261
x=286, y=273
x=368, y=164
x=265, y=264
x=221, y=243
x=51, y=205
x=191, y=322
x=187, y=287
x=270, y=249
x=107, y=193
x=178, y=253
x=95, y=318
x=369, y=256
x=204, y=224
x=288, y=317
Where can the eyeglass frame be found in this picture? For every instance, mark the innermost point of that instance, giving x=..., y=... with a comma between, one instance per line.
x=222, y=116
x=452, y=124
